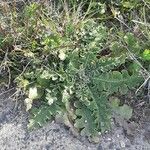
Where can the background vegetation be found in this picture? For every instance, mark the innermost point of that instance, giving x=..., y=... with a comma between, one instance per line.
x=75, y=59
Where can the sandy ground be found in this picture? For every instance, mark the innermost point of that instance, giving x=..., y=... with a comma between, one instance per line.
x=15, y=136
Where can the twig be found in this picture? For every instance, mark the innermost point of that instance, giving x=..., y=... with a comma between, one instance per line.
x=149, y=89
x=7, y=91
x=9, y=74
x=145, y=3
x=145, y=24
x=123, y=23
x=145, y=82
x=24, y=69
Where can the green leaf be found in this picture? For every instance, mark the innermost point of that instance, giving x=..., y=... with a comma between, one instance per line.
x=132, y=43
x=43, y=82
x=39, y=116
x=127, y=5
x=116, y=81
x=114, y=102
x=125, y=111
x=30, y=10
x=146, y=54
x=91, y=96
x=134, y=68
x=85, y=122
x=100, y=108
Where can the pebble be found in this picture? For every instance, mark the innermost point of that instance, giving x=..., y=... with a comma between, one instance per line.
x=111, y=146
x=122, y=144
x=99, y=147
x=109, y=139
x=118, y=135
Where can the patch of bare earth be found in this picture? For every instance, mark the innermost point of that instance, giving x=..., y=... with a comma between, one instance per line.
x=15, y=136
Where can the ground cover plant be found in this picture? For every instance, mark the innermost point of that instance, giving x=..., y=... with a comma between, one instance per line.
x=73, y=59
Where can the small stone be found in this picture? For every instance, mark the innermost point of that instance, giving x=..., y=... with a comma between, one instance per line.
x=128, y=146
x=109, y=139
x=122, y=144
x=47, y=147
x=99, y=147
x=95, y=139
x=111, y=145
x=56, y=130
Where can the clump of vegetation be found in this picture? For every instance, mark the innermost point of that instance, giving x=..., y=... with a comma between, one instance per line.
x=71, y=58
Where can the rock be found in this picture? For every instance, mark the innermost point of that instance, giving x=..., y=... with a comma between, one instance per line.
x=122, y=144
x=99, y=147
x=111, y=146
x=109, y=139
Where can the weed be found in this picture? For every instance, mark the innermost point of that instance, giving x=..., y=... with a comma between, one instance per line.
x=69, y=61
